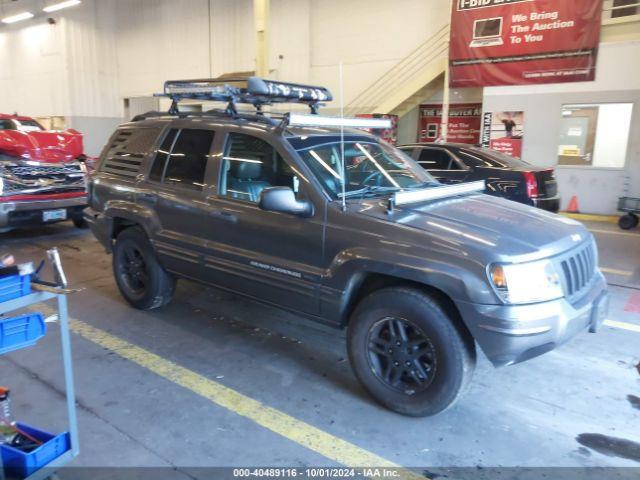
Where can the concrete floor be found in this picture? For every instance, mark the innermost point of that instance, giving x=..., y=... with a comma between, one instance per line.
x=578, y=406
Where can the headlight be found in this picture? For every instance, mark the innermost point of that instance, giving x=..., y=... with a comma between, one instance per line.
x=527, y=282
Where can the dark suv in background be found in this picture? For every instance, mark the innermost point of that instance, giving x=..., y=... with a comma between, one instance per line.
x=418, y=272
x=505, y=176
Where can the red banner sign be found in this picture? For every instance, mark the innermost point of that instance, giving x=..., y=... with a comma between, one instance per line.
x=516, y=42
x=464, y=123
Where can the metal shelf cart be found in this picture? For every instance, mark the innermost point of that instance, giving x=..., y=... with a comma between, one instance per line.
x=65, y=340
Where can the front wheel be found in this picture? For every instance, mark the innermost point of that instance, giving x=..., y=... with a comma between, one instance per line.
x=408, y=352
x=141, y=279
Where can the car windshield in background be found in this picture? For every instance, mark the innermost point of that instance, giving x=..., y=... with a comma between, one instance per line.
x=491, y=158
x=28, y=126
x=371, y=168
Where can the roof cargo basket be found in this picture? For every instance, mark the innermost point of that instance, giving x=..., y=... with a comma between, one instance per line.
x=253, y=90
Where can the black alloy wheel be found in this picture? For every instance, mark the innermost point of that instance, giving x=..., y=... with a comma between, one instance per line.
x=133, y=270
x=401, y=355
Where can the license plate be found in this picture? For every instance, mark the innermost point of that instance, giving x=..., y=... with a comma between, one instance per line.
x=52, y=215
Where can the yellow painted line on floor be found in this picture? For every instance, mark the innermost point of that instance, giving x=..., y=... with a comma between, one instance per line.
x=615, y=271
x=585, y=217
x=613, y=232
x=623, y=325
x=302, y=433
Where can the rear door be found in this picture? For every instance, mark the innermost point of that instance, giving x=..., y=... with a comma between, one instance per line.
x=176, y=189
x=274, y=257
x=442, y=165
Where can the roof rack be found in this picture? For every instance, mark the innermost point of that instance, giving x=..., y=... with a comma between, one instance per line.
x=253, y=90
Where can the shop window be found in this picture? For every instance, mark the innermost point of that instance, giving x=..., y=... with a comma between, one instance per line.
x=595, y=135
x=432, y=130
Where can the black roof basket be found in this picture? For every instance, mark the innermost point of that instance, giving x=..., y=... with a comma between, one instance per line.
x=253, y=90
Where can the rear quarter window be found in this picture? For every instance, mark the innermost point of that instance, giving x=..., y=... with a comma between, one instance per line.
x=127, y=149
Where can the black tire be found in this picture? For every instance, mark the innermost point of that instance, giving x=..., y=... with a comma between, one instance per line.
x=628, y=221
x=140, y=278
x=80, y=223
x=446, y=358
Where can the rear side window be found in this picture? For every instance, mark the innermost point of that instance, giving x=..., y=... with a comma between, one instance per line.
x=157, y=170
x=182, y=158
x=436, y=159
x=127, y=150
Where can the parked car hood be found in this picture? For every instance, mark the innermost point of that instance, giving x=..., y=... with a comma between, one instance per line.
x=42, y=146
x=509, y=229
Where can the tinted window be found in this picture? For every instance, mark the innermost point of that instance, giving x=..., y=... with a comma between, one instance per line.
x=127, y=149
x=188, y=159
x=157, y=170
x=7, y=125
x=250, y=165
x=491, y=158
x=435, y=159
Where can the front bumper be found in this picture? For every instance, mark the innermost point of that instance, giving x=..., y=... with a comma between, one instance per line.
x=510, y=334
x=26, y=213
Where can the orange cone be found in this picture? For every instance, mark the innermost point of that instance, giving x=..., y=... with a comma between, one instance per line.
x=573, y=205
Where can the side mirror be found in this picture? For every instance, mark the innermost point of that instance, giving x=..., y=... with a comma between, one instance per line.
x=283, y=200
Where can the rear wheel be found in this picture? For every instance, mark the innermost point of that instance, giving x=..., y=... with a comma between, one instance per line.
x=141, y=279
x=408, y=353
x=628, y=221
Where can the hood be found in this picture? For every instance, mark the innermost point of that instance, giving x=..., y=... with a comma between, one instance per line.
x=42, y=146
x=482, y=222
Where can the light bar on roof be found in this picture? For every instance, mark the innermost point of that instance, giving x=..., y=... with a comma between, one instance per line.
x=436, y=193
x=297, y=119
x=60, y=5
x=290, y=91
x=17, y=17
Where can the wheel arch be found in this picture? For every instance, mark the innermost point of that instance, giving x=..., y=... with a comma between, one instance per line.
x=366, y=283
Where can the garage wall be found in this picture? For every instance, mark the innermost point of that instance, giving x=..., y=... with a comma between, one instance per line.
x=597, y=189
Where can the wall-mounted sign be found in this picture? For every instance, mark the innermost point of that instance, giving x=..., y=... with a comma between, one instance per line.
x=389, y=135
x=464, y=123
x=515, y=42
x=504, y=132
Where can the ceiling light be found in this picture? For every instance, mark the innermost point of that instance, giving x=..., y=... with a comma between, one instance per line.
x=18, y=17
x=59, y=6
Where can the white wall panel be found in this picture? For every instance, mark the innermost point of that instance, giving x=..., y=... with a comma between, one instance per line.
x=158, y=39
x=232, y=36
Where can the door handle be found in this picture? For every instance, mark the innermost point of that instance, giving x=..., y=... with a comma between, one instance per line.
x=222, y=215
x=148, y=198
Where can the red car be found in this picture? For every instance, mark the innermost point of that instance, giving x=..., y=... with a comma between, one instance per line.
x=42, y=174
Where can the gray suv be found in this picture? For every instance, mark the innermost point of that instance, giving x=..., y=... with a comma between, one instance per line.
x=419, y=273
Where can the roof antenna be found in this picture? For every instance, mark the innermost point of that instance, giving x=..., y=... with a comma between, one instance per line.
x=344, y=167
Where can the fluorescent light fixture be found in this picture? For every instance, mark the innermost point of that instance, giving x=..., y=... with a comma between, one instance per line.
x=59, y=6
x=297, y=119
x=18, y=17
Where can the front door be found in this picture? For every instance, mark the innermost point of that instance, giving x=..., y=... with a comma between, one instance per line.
x=272, y=256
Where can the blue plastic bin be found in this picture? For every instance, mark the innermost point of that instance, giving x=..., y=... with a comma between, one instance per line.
x=20, y=332
x=20, y=464
x=14, y=286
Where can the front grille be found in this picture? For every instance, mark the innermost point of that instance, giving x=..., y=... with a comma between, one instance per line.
x=578, y=269
x=28, y=178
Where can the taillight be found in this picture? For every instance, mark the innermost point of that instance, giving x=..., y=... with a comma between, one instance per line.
x=532, y=184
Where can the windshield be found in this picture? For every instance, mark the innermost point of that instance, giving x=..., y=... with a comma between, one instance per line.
x=28, y=126
x=371, y=167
